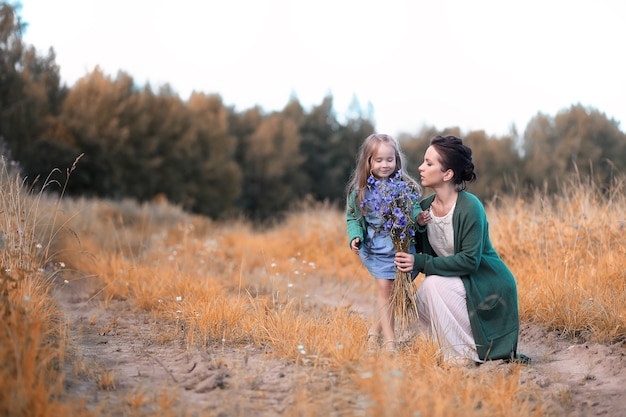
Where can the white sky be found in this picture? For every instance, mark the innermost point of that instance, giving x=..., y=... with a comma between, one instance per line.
x=475, y=64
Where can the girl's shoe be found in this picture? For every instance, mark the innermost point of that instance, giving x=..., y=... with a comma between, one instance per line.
x=389, y=346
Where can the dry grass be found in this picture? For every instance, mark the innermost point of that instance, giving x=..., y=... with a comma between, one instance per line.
x=569, y=256
x=229, y=284
x=403, y=303
x=33, y=341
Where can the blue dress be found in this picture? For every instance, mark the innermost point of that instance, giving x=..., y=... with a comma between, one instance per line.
x=377, y=251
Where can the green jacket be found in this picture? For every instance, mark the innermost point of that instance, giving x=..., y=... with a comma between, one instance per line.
x=355, y=221
x=489, y=284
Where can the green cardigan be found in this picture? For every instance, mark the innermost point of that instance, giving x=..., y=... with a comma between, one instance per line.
x=355, y=221
x=489, y=284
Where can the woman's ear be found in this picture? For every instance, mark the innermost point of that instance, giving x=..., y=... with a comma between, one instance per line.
x=448, y=175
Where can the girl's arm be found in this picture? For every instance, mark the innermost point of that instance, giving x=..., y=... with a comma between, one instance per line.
x=422, y=217
x=354, y=220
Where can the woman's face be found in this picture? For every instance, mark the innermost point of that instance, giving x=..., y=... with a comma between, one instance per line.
x=383, y=162
x=431, y=170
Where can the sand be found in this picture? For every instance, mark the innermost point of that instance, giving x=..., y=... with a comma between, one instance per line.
x=578, y=379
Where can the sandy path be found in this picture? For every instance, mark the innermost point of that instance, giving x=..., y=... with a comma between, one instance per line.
x=578, y=379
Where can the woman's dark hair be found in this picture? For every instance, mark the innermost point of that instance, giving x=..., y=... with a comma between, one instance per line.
x=457, y=157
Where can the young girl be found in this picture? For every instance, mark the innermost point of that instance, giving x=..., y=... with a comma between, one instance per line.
x=379, y=157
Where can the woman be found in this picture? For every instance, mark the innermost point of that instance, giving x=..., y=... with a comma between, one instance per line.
x=468, y=299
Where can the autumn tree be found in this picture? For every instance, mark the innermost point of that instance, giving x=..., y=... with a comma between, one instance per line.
x=414, y=146
x=270, y=158
x=30, y=92
x=212, y=179
x=496, y=162
x=272, y=162
x=243, y=125
x=47, y=144
x=327, y=161
x=352, y=133
x=95, y=114
x=155, y=124
x=577, y=141
x=166, y=128
x=13, y=116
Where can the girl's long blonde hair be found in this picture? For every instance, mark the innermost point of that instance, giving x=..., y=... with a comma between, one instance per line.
x=362, y=171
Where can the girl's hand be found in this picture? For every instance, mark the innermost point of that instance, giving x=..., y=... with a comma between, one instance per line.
x=355, y=245
x=404, y=261
x=423, y=217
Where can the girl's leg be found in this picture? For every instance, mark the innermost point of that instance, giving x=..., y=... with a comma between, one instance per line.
x=385, y=315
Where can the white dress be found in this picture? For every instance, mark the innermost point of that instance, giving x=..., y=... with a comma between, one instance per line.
x=441, y=301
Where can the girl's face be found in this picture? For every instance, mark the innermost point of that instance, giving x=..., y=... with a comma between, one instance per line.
x=383, y=161
x=431, y=171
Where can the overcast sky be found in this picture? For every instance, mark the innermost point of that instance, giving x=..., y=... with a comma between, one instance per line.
x=475, y=64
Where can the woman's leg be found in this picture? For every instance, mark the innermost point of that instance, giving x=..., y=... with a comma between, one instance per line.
x=442, y=309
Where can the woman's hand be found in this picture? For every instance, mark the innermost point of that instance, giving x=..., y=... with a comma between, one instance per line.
x=404, y=261
x=355, y=245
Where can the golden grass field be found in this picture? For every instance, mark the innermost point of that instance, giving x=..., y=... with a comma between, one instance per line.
x=126, y=309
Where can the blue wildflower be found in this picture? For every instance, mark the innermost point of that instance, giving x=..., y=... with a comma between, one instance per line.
x=394, y=201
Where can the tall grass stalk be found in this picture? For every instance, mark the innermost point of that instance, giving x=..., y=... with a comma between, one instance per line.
x=33, y=339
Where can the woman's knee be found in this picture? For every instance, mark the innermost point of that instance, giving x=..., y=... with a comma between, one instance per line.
x=429, y=285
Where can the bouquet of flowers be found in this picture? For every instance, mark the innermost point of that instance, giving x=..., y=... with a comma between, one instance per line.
x=395, y=201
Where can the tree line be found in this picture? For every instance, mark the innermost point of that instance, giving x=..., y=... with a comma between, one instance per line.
x=200, y=153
